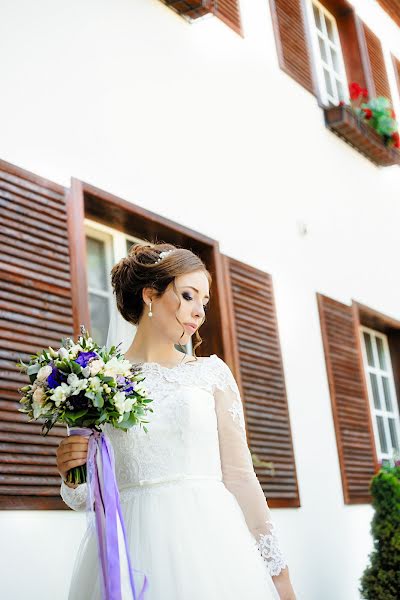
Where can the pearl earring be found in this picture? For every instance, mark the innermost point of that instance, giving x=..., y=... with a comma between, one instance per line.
x=150, y=313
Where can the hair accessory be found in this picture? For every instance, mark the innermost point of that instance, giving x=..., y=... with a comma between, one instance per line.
x=162, y=254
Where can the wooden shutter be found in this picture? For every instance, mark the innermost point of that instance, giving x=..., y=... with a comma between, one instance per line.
x=377, y=62
x=229, y=12
x=396, y=66
x=350, y=405
x=259, y=371
x=35, y=312
x=226, y=10
x=290, y=39
x=392, y=7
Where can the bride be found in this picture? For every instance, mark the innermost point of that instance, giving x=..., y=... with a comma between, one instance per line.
x=197, y=521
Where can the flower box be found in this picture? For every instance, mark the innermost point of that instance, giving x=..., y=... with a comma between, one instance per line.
x=191, y=9
x=344, y=123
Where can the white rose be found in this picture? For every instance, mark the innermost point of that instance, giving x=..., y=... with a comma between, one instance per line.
x=39, y=396
x=95, y=384
x=73, y=379
x=96, y=366
x=60, y=394
x=115, y=367
x=73, y=351
x=119, y=402
x=81, y=385
x=44, y=372
x=63, y=353
x=86, y=371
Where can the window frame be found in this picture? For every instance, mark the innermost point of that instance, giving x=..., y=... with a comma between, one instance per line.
x=385, y=414
x=316, y=57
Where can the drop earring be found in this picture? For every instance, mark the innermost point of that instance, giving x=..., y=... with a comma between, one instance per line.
x=150, y=313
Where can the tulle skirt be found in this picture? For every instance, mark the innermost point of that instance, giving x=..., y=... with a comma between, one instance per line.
x=190, y=539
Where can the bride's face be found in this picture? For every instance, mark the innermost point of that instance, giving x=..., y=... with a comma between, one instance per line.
x=193, y=295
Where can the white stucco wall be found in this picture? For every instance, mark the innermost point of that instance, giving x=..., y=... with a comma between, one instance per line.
x=200, y=125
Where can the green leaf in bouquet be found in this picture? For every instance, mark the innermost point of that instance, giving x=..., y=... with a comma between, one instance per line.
x=102, y=417
x=98, y=400
x=128, y=423
x=33, y=369
x=74, y=415
x=77, y=369
x=107, y=379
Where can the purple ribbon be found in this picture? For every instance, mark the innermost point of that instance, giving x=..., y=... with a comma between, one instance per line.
x=104, y=493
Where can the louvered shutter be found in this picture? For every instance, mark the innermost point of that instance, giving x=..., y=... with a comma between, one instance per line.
x=291, y=43
x=392, y=7
x=226, y=10
x=396, y=66
x=35, y=312
x=349, y=399
x=377, y=62
x=229, y=12
x=259, y=371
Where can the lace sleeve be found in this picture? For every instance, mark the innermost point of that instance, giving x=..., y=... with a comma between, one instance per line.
x=238, y=470
x=75, y=498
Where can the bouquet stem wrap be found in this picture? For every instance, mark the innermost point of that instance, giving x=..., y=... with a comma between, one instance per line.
x=104, y=493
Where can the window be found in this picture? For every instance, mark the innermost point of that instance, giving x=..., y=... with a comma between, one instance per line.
x=105, y=246
x=381, y=391
x=327, y=54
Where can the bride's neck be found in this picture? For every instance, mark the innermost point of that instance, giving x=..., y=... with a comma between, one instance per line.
x=148, y=347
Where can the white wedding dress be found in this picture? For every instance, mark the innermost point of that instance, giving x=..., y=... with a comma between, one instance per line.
x=197, y=521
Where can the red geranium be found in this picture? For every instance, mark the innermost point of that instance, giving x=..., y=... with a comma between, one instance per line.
x=356, y=91
x=367, y=113
x=396, y=139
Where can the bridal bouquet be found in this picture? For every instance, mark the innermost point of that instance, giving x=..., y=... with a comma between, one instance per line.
x=85, y=386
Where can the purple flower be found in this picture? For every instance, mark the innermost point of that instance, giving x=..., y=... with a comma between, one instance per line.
x=129, y=388
x=56, y=377
x=126, y=385
x=85, y=357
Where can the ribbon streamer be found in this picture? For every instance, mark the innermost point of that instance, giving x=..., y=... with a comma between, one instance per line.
x=103, y=492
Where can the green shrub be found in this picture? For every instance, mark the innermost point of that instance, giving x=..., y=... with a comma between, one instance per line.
x=381, y=578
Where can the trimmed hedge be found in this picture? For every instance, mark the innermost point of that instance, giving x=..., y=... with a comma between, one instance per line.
x=381, y=578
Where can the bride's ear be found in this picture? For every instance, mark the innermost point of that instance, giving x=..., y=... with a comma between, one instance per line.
x=148, y=295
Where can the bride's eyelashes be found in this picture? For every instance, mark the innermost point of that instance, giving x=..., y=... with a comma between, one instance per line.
x=189, y=297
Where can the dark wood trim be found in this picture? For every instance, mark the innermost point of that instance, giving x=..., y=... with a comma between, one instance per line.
x=226, y=316
x=391, y=328
x=77, y=249
x=374, y=319
x=357, y=322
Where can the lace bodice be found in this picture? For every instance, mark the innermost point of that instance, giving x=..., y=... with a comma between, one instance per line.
x=197, y=430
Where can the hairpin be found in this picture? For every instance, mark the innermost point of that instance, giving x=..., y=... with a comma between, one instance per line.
x=162, y=254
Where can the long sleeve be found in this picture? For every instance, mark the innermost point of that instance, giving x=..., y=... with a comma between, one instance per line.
x=238, y=471
x=75, y=498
